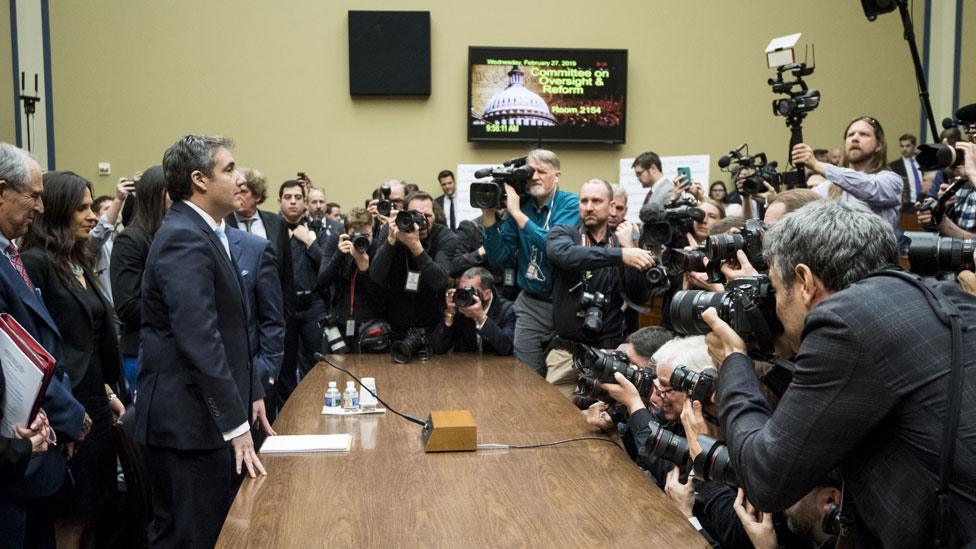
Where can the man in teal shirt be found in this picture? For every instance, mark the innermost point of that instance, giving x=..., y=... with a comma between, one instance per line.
x=523, y=231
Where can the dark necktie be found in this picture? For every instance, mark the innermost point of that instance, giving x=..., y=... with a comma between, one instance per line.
x=453, y=220
x=918, y=179
x=14, y=254
x=247, y=224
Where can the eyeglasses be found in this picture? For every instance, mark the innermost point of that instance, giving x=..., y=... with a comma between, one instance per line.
x=661, y=391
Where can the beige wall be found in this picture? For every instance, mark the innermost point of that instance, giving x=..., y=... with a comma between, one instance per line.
x=8, y=131
x=967, y=72
x=131, y=77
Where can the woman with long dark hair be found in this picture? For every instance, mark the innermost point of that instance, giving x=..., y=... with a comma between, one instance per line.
x=128, y=261
x=58, y=260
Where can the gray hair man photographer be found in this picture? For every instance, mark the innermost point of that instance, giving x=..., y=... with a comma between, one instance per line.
x=523, y=233
x=872, y=387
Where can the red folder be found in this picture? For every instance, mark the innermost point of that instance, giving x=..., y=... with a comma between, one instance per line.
x=33, y=351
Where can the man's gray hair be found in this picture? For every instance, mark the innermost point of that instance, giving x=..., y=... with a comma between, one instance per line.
x=841, y=242
x=690, y=352
x=543, y=156
x=14, y=166
x=618, y=190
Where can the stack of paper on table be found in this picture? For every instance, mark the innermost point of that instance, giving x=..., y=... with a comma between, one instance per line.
x=282, y=444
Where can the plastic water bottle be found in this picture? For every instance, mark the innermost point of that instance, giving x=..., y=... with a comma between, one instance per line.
x=350, y=398
x=333, y=400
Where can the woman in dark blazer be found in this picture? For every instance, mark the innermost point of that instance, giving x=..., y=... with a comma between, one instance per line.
x=128, y=261
x=59, y=263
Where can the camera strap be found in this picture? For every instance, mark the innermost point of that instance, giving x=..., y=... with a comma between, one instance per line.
x=948, y=314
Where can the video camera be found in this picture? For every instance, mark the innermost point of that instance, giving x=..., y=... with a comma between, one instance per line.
x=762, y=171
x=940, y=156
x=748, y=305
x=492, y=195
x=668, y=226
x=929, y=254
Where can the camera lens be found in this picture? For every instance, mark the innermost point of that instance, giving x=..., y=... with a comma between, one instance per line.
x=687, y=307
x=384, y=207
x=667, y=445
x=360, y=242
x=656, y=275
x=723, y=246
x=405, y=221
x=464, y=297
x=413, y=344
x=929, y=254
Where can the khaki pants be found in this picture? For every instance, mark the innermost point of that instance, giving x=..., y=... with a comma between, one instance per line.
x=561, y=372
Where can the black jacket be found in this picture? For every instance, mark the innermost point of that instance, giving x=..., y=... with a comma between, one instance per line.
x=128, y=261
x=599, y=267
x=388, y=268
x=497, y=334
x=470, y=237
x=868, y=397
x=355, y=295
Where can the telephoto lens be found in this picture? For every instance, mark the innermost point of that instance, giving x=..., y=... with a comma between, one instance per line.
x=713, y=462
x=929, y=254
x=668, y=446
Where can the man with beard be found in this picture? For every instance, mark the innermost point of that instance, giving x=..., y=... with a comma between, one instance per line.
x=524, y=232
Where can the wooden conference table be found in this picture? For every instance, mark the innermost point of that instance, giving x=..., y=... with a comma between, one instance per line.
x=387, y=492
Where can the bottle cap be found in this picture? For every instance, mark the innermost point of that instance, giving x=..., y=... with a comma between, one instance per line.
x=350, y=385
x=332, y=384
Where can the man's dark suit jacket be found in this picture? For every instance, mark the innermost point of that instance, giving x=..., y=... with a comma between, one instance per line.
x=497, y=334
x=868, y=397
x=128, y=262
x=44, y=472
x=68, y=308
x=440, y=202
x=277, y=231
x=196, y=381
x=262, y=289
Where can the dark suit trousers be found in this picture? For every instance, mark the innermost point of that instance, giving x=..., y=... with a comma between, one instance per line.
x=303, y=338
x=192, y=493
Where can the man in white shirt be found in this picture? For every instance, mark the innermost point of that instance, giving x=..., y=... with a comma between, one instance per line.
x=908, y=169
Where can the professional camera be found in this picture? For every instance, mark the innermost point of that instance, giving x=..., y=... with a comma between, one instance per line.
x=939, y=207
x=929, y=254
x=464, y=297
x=332, y=341
x=415, y=343
x=591, y=311
x=713, y=462
x=406, y=219
x=599, y=367
x=666, y=445
x=748, y=305
x=384, y=206
x=697, y=385
x=492, y=195
x=360, y=242
x=939, y=156
x=762, y=171
x=668, y=227
x=749, y=239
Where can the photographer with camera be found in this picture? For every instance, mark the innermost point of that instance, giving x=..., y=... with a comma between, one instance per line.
x=411, y=263
x=357, y=300
x=523, y=232
x=866, y=178
x=470, y=252
x=591, y=280
x=859, y=399
x=385, y=199
x=486, y=321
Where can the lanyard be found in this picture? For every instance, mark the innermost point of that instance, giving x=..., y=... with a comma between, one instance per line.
x=352, y=290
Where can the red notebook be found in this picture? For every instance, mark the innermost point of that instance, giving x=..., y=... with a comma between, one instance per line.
x=35, y=354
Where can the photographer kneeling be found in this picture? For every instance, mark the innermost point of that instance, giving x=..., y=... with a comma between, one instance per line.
x=486, y=322
x=871, y=392
x=596, y=274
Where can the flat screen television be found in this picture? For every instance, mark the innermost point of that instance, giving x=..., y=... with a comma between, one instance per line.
x=556, y=95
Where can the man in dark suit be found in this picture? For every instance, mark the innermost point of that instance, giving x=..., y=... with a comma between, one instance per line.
x=197, y=386
x=907, y=168
x=25, y=518
x=267, y=225
x=487, y=324
x=317, y=218
x=446, y=201
x=871, y=385
x=265, y=319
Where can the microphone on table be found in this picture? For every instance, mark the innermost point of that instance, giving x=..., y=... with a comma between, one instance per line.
x=444, y=430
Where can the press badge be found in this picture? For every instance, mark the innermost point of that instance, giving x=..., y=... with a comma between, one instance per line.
x=530, y=271
x=413, y=281
x=509, y=277
x=350, y=328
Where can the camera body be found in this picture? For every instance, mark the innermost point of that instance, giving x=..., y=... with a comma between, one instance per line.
x=590, y=309
x=749, y=239
x=598, y=367
x=360, y=242
x=464, y=297
x=674, y=222
x=492, y=194
x=384, y=206
x=332, y=341
x=748, y=305
x=697, y=385
x=406, y=219
x=414, y=344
